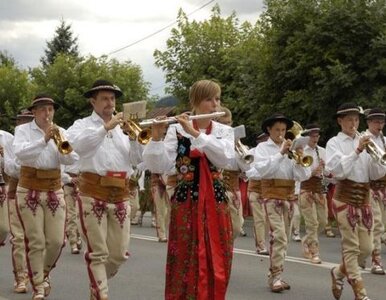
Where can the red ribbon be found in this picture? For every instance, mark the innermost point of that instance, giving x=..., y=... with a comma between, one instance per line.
x=212, y=271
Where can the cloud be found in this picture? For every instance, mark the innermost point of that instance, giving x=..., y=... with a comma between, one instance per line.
x=37, y=10
x=243, y=7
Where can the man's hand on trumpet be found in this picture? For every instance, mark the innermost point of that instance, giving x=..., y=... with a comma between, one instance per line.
x=114, y=121
x=49, y=132
x=285, y=146
x=363, y=141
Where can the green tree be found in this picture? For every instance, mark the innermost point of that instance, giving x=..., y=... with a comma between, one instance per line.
x=67, y=78
x=63, y=42
x=319, y=54
x=199, y=50
x=15, y=90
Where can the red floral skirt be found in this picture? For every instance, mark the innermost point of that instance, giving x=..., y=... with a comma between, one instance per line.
x=199, y=257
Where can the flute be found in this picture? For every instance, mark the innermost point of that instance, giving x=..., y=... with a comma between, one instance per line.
x=171, y=120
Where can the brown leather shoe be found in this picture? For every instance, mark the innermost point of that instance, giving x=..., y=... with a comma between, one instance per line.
x=337, y=285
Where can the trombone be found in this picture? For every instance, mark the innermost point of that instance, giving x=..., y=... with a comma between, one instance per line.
x=292, y=134
x=373, y=149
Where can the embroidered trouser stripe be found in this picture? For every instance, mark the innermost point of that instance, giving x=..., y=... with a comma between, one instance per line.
x=106, y=230
x=42, y=216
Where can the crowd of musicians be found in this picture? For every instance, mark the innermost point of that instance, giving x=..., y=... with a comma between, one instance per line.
x=87, y=185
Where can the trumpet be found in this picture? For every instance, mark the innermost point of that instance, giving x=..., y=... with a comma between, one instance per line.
x=171, y=120
x=131, y=128
x=292, y=134
x=61, y=142
x=373, y=150
x=242, y=150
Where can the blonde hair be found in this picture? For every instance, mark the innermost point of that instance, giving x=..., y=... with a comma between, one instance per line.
x=201, y=90
x=228, y=113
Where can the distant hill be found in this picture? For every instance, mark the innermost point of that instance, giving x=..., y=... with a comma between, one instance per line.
x=167, y=101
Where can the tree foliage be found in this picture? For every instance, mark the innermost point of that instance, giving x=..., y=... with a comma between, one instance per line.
x=303, y=58
x=68, y=78
x=15, y=90
x=63, y=42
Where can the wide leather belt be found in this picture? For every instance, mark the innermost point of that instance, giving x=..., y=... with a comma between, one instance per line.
x=38, y=179
x=352, y=193
x=254, y=186
x=314, y=184
x=281, y=189
x=231, y=179
x=378, y=184
x=104, y=188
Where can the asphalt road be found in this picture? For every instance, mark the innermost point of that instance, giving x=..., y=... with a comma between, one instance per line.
x=142, y=276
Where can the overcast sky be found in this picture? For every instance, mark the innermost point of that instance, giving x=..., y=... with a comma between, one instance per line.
x=105, y=26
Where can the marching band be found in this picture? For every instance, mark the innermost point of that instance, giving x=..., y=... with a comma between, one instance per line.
x=80, y=185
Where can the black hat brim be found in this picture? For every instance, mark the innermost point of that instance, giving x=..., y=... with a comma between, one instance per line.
x=56, y=105
x=91, y=92
x=272, y=120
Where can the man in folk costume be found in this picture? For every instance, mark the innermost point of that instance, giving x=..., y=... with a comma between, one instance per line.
x=312, y=200
x=353, y=168
x=12, y=169
x=256, y=203
x=375, y=123
x=71, y=195
x=40, y=201
x=278, y=175
x=231, y=177
x=106, y=159
x=5, y=155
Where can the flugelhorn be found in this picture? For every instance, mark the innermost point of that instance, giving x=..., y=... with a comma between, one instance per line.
x=135, y=133
x=293, y=134
x=61, y=142
x=373, y=150
x=171, y=120
x=240, y=148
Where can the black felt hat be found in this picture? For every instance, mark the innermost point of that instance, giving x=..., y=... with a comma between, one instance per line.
x=348, y=108
x=375, y=113
x=277, y=117
x=309, y=128
x=42, y=99
x=103, y=85
x=23, y=114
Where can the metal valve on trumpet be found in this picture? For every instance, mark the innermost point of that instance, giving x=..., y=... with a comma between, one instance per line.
x=240, y=148
x=293, y=134
x=374, y=150
x=61, y=142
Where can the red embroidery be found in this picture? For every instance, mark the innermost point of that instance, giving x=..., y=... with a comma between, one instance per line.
x=120, y=213
x=52, y=202
x=98, y=209
x=32, y=200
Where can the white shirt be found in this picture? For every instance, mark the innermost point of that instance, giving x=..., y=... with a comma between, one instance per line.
x=271, y=164
x=343, y=162
x=8, y=160
x=32, y=150
x=102, y=151
x=218, y=146
x=377, y=139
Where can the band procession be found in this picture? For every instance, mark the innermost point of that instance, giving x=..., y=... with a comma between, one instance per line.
x=83, y=187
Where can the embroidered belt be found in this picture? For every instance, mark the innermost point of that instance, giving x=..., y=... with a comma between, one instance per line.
x=353, y=193
x=41, y=180
x=281, y=189
x=378, y=184
x=314, y=184
x=104, y=188
x=231, y=179
x=254, y=186
x=12, y=186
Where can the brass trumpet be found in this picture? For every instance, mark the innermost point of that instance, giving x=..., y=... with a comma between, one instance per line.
x=132, y=129
x=61, y=142
x=374, y=150
x=292, y=134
